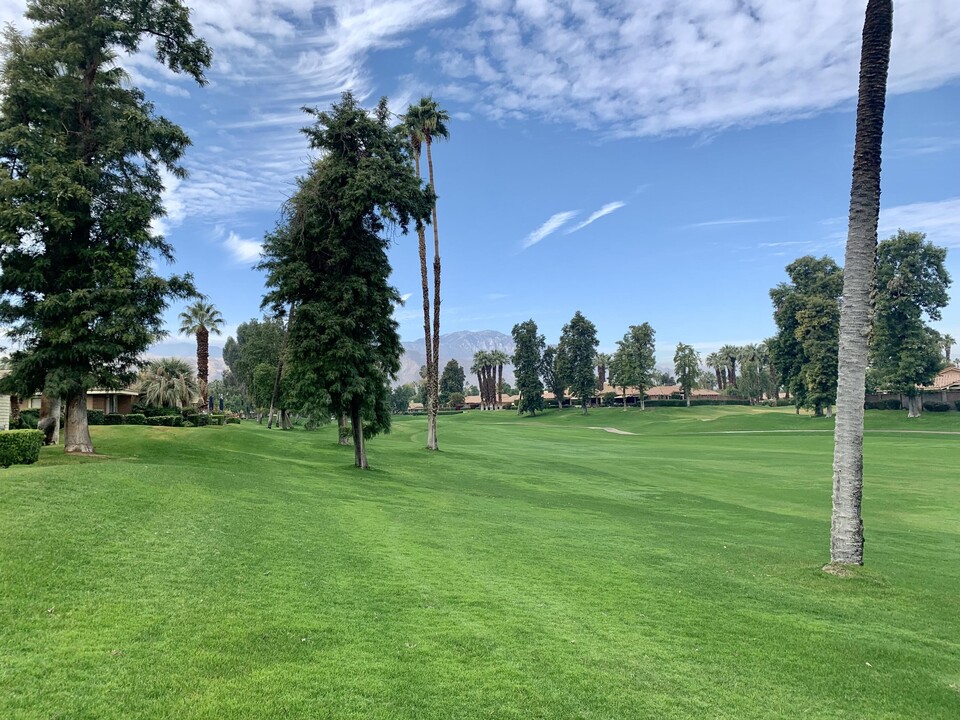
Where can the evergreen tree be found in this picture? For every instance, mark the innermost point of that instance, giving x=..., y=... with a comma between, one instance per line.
x=328, y=257
x=527, y=359
x=451, y=381
x=579, y=341
x=634, y=363
x=81, y=152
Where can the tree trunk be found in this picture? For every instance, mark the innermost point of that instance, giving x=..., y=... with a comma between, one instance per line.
x=719, y=379
x=914, y=406
x=500, y=386
x=846, y=530
x=436, y=294
x=427, y=338
x=583, y=404
x=828, y=411
x=359, y=448
x=56, y=407
x=203, y=355
x=77, y=438
x=686, y=394
x=276, y=379
x=343, y=437
x=623, y=391
x=642, y=402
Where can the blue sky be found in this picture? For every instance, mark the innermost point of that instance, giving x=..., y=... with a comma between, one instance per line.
x=657, y=161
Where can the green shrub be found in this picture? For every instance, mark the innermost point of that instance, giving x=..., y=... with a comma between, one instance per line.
x=151, y=411
x=113, y=419
x=233, y=421
x=20, y=447
x=958, y=404
x=934, y=406
x=96, y=417
x=28, y=420
x=892, y=404
x=202, y=420
x=136, y=419
x=216, y=419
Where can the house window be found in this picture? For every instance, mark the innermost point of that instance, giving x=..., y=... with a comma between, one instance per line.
x=111, y=403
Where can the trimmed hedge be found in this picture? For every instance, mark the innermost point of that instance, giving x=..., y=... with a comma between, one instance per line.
x=891, y=404
x=96, y=417
x=150, y=411
x=20, y=447
x=958, y=404
x=113, y=419
x=693, y=403
x=136, y=419
x=936, y=406
x=166, y=421
x=439, y=412
x=216, y=419
x=233, y=421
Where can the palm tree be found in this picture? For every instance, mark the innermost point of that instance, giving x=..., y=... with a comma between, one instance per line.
x=168, y=382
x=948, y=343
x=601, y=360
x=714, y=361
x=201, y=319
x=729, y=354
x=846, y=529
x=477, y=369
x=413, y=123
x=433, y=125
x=497, y=360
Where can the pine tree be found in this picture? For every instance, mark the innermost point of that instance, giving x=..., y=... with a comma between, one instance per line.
x=527, y=359
x=81, y=152
x=328, y=257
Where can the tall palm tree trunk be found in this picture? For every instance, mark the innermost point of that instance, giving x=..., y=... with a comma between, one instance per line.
x=203, y=355
x=77, y=436
x=359, y=448
x=427, y=340
x=435, y=386
x=500, y=386
x=276, y=379
x=846, y=530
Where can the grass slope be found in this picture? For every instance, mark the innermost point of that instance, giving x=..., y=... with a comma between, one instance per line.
x=536, y=568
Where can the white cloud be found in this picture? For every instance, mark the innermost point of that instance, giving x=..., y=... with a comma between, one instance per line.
x=605, y=210
x=733, y=221
x=243, y=251
x=555, y=222
x=939, y=220
x=662, y=66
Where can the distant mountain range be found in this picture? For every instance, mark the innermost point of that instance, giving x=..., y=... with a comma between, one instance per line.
x=459, y=346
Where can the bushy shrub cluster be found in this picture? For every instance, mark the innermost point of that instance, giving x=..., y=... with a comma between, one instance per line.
x=20, y=447
x=695, y=403
x=96, y=417
x=439, y=412
x=135, y=419
x=233, y=421
x=216, y=419
x=113, y=419
x=933, y=406
x=150, y=411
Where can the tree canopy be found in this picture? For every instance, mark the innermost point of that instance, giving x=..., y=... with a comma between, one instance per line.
x=686, y=364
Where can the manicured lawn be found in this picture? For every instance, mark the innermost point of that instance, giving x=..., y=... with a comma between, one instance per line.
x=536, y=568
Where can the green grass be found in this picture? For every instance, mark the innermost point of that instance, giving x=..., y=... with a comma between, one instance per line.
x=535, y=568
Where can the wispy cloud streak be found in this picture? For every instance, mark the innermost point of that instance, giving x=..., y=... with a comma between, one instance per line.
x=605, y=210
x=733, y=221
x=555, y=222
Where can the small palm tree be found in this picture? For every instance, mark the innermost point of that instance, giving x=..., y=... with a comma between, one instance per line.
x=201, y=319
x=168, y=382
x=497, y=360
x=948, y=343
